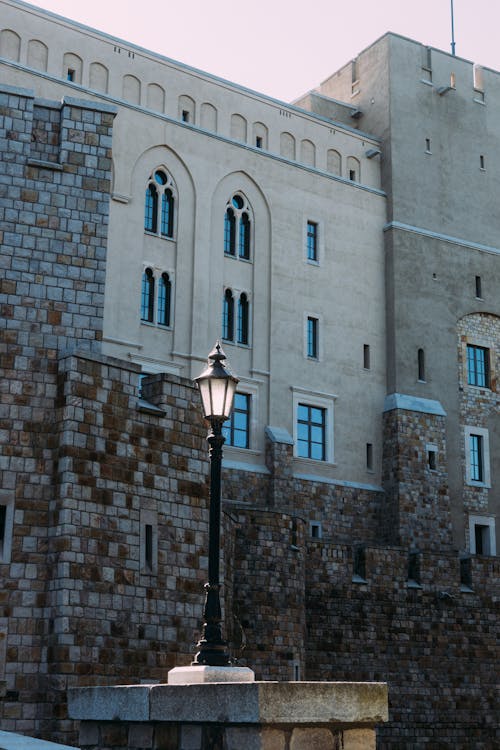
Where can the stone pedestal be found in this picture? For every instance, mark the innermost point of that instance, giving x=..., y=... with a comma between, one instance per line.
x=229, y=715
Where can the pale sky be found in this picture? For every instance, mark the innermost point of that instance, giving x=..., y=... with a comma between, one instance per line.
x=283, y=48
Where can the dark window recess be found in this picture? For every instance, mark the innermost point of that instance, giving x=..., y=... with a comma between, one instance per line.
x=258, y=141
x=431, y=460
x=482, y=539
x=185, y=115
x=148, y=544
x=414, y=567
x=369, y=456
x=352, y=175
x=479, y=291
x=421, y=364
x=359, y=561
x=70, y=75
x=3, y=516
x=366, y=356
x=466, y=572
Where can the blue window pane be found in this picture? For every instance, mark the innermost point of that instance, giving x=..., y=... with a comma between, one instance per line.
x=236, y=429
x=311, y=432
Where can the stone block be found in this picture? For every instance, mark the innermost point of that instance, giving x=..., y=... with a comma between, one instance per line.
x=359, y=739
x=191, y=737
x=126, y=703
x=312, y=738
x=243, y=737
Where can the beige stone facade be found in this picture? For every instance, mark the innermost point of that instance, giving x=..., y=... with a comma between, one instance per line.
x=361, y=492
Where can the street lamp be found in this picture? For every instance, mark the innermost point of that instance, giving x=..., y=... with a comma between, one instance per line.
x=217, y=387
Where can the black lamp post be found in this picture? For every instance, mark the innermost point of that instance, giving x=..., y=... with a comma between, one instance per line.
x=217, y=388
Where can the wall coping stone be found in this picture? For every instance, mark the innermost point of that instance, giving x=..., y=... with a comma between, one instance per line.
x=17, y=91
x=413, y=403
x=339, y=703
x=104, y=359
x=279, y=435
x=72, y=101
x=10, y=741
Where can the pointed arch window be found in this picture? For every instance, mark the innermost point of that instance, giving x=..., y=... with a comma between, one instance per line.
x=151, y=209
x=237, y=228
x=243, y=317
x=160, y=204
x=228, y=316
x=229, y=232
x=164, y=299
x=244, y=243
x=147, y=296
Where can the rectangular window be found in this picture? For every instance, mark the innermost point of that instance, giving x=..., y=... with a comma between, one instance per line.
x=414, y=568
x=236, y=429
x=359, y=563
x=481, y=162
x=258, y=141
x=478, y=366
x=427, y=145
x=185, y=115
x=70, y=75
x=482, y=540
x=311, y=432
x=369, y=456
x=148, y=542
x=315, y=528
x=479, y=291
x=366, y=356
x=312, y=337
x=148, y=546
x=476, y=458
x=3, y=528
x=312, y=241
x=431, y=459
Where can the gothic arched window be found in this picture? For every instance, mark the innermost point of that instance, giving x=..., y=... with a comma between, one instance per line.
x=237, y=227
x=148, y=296
x=228, y=316
x=159, y=204
x=164, y=298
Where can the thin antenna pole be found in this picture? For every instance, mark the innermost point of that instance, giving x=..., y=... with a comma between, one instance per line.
x=452, y=30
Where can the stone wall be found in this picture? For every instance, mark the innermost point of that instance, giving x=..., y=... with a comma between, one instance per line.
x=436, y=644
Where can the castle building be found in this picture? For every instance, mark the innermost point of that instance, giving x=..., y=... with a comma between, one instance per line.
x=345, y=250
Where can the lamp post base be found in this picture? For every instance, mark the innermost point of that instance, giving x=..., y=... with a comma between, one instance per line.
x=200, y=673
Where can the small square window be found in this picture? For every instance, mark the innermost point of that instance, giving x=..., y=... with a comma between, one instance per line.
x=482, y=539
x=315, y=527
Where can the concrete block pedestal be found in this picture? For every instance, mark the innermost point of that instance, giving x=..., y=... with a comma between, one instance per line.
x=230, y=716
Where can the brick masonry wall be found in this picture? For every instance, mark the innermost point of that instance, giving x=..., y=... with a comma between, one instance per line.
x=416, y=510
x=479, y=407
x=436, y=646
x=54, y=195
